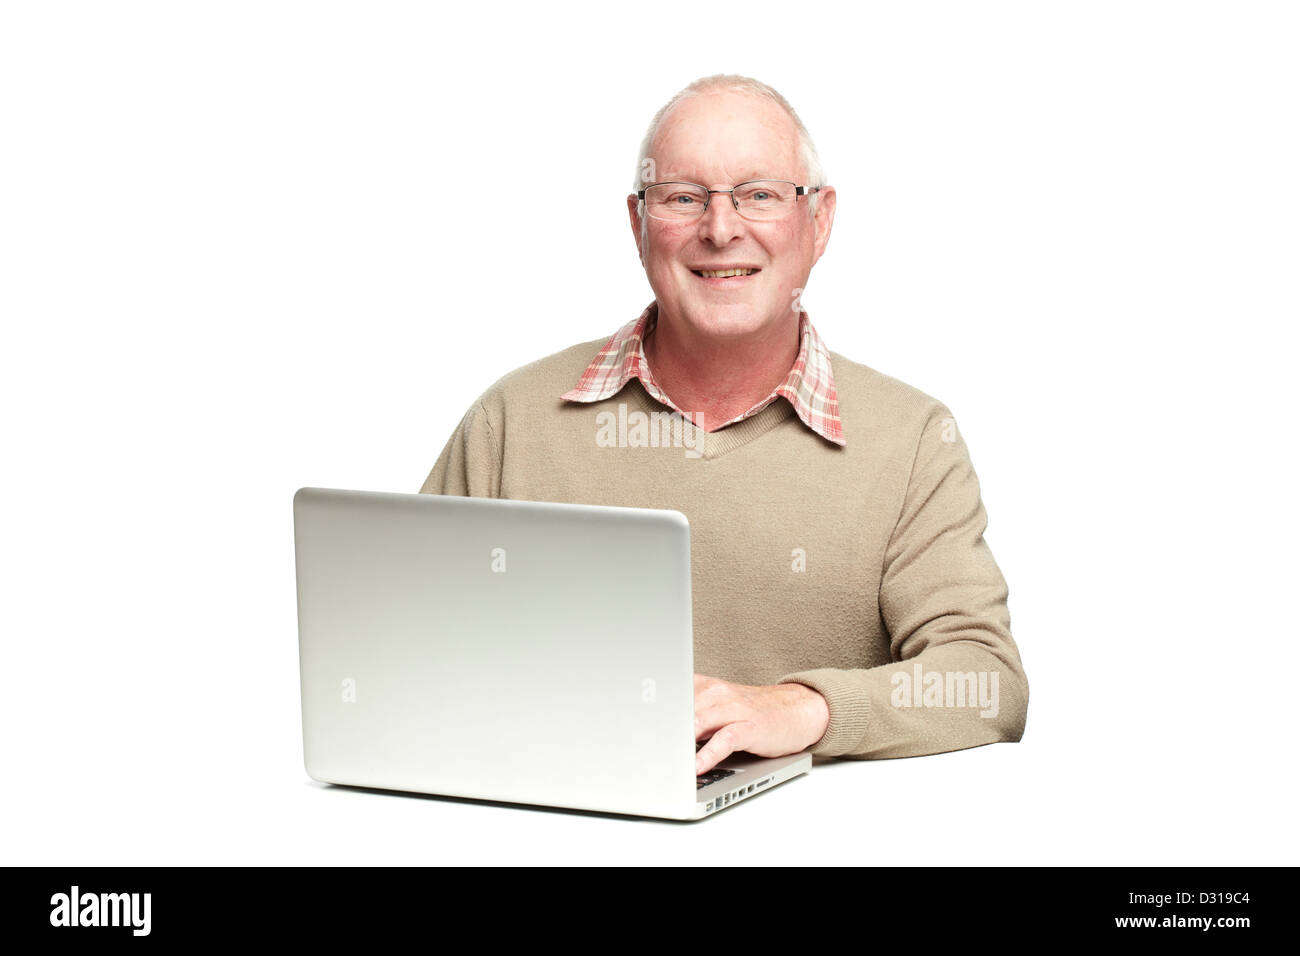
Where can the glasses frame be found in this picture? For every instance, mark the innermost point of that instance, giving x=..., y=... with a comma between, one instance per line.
x=798, y=191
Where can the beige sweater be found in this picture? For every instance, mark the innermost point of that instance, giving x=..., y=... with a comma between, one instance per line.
x=860, y=571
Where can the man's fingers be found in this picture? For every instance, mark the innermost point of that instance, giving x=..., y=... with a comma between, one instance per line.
x=722, y=745
x=711, y=718
x=711, y=694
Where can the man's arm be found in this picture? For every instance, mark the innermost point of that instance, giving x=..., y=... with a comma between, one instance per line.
x=470, y=463
x=944, y=603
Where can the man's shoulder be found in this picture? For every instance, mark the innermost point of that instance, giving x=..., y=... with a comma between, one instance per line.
x=548, y=377
x=861, y=389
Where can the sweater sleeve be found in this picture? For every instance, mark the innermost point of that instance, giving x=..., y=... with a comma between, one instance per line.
x=944, y=603
x=470, y=463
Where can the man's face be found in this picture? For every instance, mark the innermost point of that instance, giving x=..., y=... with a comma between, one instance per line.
x=719, y=140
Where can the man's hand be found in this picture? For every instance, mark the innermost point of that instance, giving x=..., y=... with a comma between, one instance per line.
x=766, y=721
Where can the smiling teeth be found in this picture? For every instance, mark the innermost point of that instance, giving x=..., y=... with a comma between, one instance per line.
x=724, y=273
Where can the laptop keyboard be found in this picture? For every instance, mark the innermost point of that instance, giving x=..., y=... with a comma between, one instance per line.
x=713, y=776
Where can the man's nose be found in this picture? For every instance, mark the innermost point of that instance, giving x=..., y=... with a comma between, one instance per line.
x=721, y=222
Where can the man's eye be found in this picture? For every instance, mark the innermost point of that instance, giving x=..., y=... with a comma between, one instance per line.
x=682, y=199
x=761, y=196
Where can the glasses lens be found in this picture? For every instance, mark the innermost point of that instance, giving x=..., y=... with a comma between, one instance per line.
x=765, y=199
x=675, y=201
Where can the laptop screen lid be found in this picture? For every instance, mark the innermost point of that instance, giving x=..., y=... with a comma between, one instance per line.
x=528, y=652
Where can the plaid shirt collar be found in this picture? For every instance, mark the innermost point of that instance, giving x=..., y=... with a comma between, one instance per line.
x=809, y=387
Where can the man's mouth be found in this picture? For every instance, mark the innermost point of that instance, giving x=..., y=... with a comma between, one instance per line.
x=732, y=274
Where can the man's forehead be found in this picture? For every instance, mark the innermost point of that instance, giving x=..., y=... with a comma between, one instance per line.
x=728, y=135
x=727, y=174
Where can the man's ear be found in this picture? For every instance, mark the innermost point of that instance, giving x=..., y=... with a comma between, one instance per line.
x=632, y=203
x=823, y=217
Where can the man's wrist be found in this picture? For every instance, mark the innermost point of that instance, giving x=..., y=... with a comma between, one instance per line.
x=816, y=711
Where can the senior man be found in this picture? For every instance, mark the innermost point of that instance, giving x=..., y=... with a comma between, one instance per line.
x=844, y=597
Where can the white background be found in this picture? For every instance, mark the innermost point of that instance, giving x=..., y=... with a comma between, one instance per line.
x=246, y=247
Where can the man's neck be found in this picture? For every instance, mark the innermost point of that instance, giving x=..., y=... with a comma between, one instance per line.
x=718, y=379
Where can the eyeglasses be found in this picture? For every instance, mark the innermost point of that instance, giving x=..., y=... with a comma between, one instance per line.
x=761, y=200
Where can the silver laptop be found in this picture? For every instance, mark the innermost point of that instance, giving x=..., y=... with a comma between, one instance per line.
x=516, y=651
